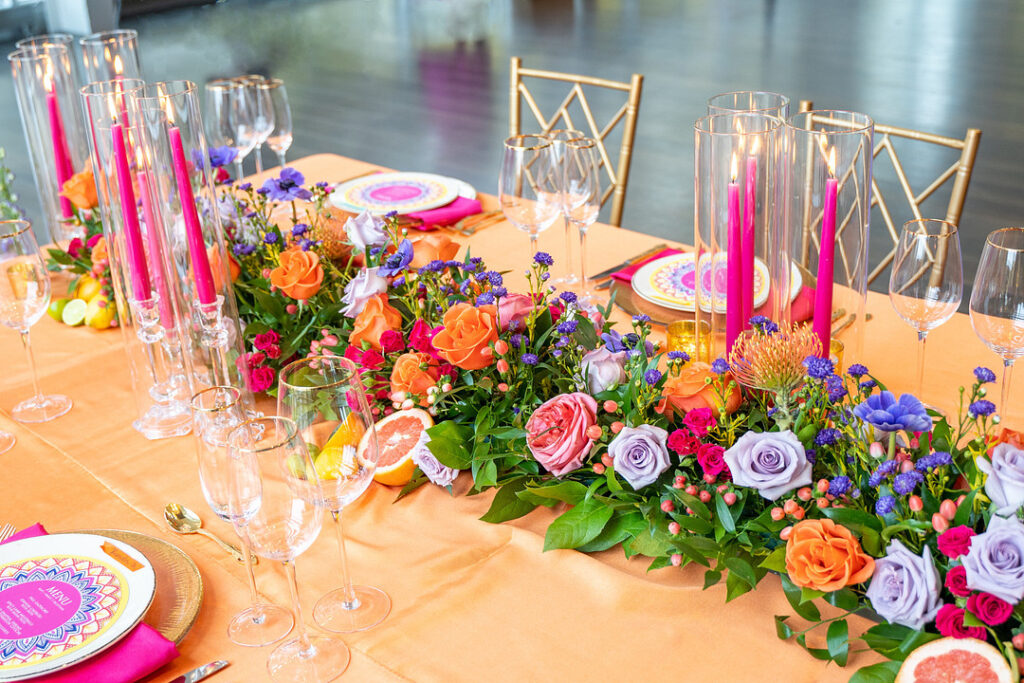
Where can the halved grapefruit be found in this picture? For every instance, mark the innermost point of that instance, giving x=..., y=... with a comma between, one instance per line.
x=397, y=436
x=946, y=660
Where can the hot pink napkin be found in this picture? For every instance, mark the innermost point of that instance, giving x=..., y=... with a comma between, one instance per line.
x=626, y=274
x=135, y=656
x=447, y=214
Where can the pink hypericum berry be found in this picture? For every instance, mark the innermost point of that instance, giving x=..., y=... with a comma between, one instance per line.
x=617, y=427
x=722, y=488
x=610, y=406
x=330, y=340
x=729, y=498
x=266, y=273
x=607, y=460
x=375, y=410
x=691, y=489
x=314, y=345
x=805, y=494
x=821, y=502
x=939, y=523
x=291, y=309
x=778, y=513
x=679, y=482
x=822, y=485
x=915, y=442
x=837, y=505
x=947, y=509
x=502, y=366
x=1018, y=641
x=798, y=513
x=790, y=507
x=960, y=499
x=324, y=331
x=785, y=533
x=673, y=528
x=704, y=496
x=876, y=449
x=915, y=503
x=676, y=559
x=689, y=511
x=709, y=478
x=502, y=387
x=598, y=468
x=906, y=465
x=594, y=432
x=668, y=506
x=501, y=347
x=389, y=410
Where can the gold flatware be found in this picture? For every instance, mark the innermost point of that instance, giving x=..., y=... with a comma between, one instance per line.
x=849, y=321
x=839, y=313
x=473, y=224
x=182, y=520
x=6, y=531
x=607, y=272
x=200, y=672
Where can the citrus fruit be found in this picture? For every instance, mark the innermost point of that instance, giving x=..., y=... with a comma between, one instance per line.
x=56, y=308
x=397, y=436
x=100, y=312
x=74, y=312
x=349, y=433
x=336, y=462
x=955, y=659
x=88, y=287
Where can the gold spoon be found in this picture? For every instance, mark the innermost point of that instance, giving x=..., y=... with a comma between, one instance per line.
x=184, y=521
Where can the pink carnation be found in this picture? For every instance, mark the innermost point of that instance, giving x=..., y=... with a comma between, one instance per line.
x=370, y=359
x=391, y=341
x=557, y=432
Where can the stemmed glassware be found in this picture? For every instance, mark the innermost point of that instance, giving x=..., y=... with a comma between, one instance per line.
x=262, y=109
x=216, y=411
x=997, y=300
x=230, y=119
x=926, y=284
x=280, y=138
x=529, y=185
x=281, y=519
x=24, y=296
x=324, y=396
x=558, y=139
x=582, y=196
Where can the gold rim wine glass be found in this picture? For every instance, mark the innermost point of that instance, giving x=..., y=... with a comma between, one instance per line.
x=529, y=186
x=559, y=137
x=582, y=196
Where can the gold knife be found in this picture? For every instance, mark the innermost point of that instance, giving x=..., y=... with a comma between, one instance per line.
x=607, y=272
x=201, y=672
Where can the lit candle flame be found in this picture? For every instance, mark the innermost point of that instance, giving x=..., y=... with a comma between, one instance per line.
x=832, y=162
x=755, y=146
x=168, y=110
x=118, y=66
x=735, y=168
x=48, y=77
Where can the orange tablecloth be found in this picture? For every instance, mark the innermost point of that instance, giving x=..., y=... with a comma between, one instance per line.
x=471, y=600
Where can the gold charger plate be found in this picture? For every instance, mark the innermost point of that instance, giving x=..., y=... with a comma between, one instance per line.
x=179, y=587
x=634, y=304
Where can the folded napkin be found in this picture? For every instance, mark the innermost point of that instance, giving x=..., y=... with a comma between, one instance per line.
x=135, y=656
x=447, y=214
x=626, y=274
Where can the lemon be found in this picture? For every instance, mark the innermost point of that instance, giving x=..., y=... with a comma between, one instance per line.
x=88, y=287
x=100, y=312
x=56, y=308
x=336, y=462
x=74, y=312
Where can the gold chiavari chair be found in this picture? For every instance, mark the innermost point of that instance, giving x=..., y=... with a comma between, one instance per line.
x=960, y=171
x=618, y=173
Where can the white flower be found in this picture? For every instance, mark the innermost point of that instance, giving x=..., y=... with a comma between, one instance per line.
x=366, y=230
x=360, y=289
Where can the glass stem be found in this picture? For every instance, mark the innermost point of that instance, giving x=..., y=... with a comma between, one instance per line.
x=280, y=157
x=300, y=625
x=238, y=168
x=921, y=336
x=1004, y=396
x=568, y=249
x=32, y=365
x=533, y=244
x=351, y=601
x=584, y=285
x=258, y=616
x=259, y=158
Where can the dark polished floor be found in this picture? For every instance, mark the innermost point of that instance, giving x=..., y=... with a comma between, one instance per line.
x=422, y=84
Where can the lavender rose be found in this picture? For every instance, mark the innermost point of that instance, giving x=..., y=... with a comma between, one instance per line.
x=639, y=454
x=365, y=230
x=430, y=465
x=360, y=289
x=905, y=587
x=604, y=369
x=771, y=462
x=995, y=562
x=1005, y=482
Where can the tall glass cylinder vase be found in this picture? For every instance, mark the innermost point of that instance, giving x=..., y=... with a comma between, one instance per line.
x=200, y=267
x=108, y=55
x=770, y=103
x=51, y=117
x=740, y=267
x=122, y=166
x=828, y=210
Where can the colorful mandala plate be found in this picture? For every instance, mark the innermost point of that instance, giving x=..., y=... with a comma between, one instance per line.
x=65, y=598
x=383, y=193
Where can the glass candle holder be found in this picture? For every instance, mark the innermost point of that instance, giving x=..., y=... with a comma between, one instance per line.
x=199, y=265
x=742, y=268
x=47, y=92
x=828, y=209
x=109, y=55
x=691, y=337
x=770, y=103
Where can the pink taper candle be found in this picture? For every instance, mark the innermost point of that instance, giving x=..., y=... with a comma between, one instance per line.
x=138, y=270
x=748, y=247
x=826, y=263
x=60, y=151
x=206, y=292
x=155, y=250
x=734, y=288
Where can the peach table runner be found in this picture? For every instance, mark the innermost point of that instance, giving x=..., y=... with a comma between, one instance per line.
x=472, y=601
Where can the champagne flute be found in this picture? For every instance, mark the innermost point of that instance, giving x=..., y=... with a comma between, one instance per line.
x=324, y=396
x=582, y=183
x=997, y=300
x=528, y=185
x=24, y=296
x=926, y=284
x=280, y=138
x=558, y=138
x=263, y=112
x=216, y=411
x=282, y=522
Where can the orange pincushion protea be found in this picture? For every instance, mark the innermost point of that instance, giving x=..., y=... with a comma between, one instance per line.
x=773, y=362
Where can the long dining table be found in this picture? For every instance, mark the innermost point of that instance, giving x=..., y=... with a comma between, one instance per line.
x=471, y=600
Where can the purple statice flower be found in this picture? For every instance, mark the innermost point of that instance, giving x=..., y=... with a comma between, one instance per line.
x=243, y=249
x=398, y=281
x=562, y=342
x=642, y=318
x=263, y=190
x=557, y=353
x=812, y=454
x=270, y=238
x=839, y=486
x=836, y=388
x=453, y=264
x=398, y=261
x=984, y=375
x=856, y=370
x=720, y=366
x=435, y=266
x=287, y=187
x=827, y=437
x=568, y=297
x=529, y=358
x=981, y=408
x=495, y=278
x=818, y=368
x=499, y=292
x=868, y=385
x=300, y=229
x=567, y=326
x=679, y=355
x=613, y=341
x=306, y=245
x=881, y=472
x=544, y=277
x=652, y=376
x=390, y=214
x=886, y=413
x=905, y=482
x=885, y=505
x=928, y=463
x=516, y=340
x=245, y=187
x=764, y=324
x=485, y=299
x=323, y=185
x=543, y=258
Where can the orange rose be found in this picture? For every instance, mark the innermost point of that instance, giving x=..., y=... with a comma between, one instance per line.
x=1005, y=435
x=468, y=332
x=431, y=247
x=99, y=250
x=213, y=253
x=80, y=189
x=689, y=390
x=300, y=273
x=377, y=317
x=410, y=376
x=826, y=556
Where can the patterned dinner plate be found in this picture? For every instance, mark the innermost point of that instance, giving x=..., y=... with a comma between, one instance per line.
x=383, y=193
x=65, y=598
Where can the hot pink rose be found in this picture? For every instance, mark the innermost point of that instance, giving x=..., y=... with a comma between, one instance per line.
x=513, y=309
x=956, y=541
x=683, y=442
x=421, y=338
x=370, y=359
x=990, y=609
x=75, y=247
x=700, y=421
x=273, y=351
x=956, y=581
x=392, y=341
x=91, y=242
x=255, y=359
x=950, y=622
x=265, y=340
x=557, y=432
x=262, y=378
x=709, y=456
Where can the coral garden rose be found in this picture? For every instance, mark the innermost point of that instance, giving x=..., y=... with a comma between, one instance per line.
x=690, y=390
x=467, y=335
x=905, y=587
x=513, y=310
x=80, y=190
x=825, y=556
x=99, y=250
x=1005, y=481
x=995, y=562
x=299, y=274
x=557, y=432
x=604, y=369
x=640, y=454
x=774, y=463
x=377, y=317
x=434, y=246
x=234, y=270
x=414, y=373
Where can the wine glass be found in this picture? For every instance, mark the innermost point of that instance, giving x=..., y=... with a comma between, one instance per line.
x=245, y=120
x=216, y=411
x=582, y=196
x=24, y=296
x=558, y=138
x=263, y=112
x=219, y=128
x=281, y=524
x=529, y=185
x=926, y=284
x=997, y=300
x=325, y=397
x=280, y=138
x=7, y=441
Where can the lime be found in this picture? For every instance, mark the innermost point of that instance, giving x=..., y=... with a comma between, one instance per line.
x=100, y=312
x=56, y=308
x=88, y=287
x=74, y=312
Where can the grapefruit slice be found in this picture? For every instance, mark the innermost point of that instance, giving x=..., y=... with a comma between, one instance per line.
x=397, y=436
x=964, y=660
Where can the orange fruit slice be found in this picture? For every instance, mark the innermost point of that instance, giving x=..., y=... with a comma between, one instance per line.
x=955, y=659
x=397, y=436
